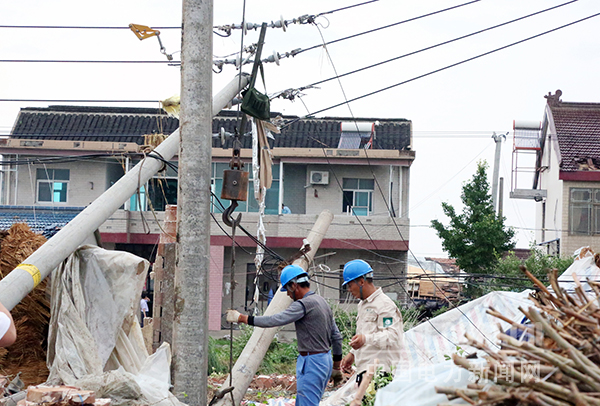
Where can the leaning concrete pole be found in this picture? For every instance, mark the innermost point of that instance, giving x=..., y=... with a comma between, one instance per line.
x=17, y=284
x=190, y=325
x=498, y=140
x=251, y=357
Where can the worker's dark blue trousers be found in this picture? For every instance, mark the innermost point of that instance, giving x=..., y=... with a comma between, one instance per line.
x=312, y=374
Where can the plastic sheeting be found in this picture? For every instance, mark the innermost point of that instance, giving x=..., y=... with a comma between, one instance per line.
x=585, y=268
x=416, y=386
x=95, y=341
x=427, y=344
x=430, y=342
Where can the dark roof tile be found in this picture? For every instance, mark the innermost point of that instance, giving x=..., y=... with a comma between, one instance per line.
x=117, y=124
x=578, y=132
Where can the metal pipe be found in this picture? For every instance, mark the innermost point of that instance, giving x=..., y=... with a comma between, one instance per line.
x=18, y=283
x=251, y=357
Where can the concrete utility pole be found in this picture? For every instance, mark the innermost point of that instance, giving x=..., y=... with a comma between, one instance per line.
x=251, y=357
x=501, y=198
x=498, y=140
x=190, y=327
x=21, y=280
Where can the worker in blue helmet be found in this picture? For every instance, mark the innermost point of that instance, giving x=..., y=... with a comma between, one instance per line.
x=318, y=335
x=379, y=328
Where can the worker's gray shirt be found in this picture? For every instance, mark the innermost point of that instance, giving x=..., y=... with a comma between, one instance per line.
x=316, y=330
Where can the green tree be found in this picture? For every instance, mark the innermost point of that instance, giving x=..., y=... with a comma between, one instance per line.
x=477, y=238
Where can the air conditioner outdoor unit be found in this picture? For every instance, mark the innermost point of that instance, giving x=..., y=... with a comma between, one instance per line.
x=319, y=177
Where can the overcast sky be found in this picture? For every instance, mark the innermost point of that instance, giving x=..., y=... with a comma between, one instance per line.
x=454, y=112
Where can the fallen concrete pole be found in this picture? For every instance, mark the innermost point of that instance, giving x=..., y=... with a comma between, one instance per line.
x=18, y=283
x=251, y=357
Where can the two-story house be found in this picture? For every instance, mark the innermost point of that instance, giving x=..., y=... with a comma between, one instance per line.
x=59, y=159
x=568, y=169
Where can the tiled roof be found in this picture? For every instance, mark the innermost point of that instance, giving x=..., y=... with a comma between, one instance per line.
x=578, y=131
x=447, y=264
x=117, y=124
x=42, y=220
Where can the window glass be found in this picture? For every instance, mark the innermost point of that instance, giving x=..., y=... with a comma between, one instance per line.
x=251, y=205
x=272, y=199
x=366, y=184
x=61, y=174
x=275, y=170
x=358, y=196
x=350, y=183
x=137, y=202
x=361, y=199
x=580, y=219
x=59, y=192
x=580, y=195
x=48, y=190
x=161, y=192
x=42, y=174
x=52, y=174
x=45, y=191
x=596, y=229
x=596, y=195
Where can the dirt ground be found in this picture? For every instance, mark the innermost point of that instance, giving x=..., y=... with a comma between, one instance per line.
x=263, y=387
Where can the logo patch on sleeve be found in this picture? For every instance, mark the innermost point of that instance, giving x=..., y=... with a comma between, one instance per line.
x=387, y=321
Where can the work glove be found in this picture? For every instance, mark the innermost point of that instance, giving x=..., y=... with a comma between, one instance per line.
x=336, y=377
x=233, y=316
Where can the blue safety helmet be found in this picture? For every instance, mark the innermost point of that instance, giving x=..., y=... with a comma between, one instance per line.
x=292, y=273
x=355, y=269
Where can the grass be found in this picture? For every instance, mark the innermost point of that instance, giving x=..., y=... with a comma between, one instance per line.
x=279, y=359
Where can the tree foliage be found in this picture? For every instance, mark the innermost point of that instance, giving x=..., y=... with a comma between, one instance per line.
x=477, y=237
x=538, y=263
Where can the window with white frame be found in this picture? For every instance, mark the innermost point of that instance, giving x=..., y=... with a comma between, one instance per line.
x=358, y=196
x=584, y=211
x=52, y=185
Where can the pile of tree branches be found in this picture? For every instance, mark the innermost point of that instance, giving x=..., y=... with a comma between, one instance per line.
x=552, y=360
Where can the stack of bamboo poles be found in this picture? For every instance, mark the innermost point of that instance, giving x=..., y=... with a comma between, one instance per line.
x=31, y=316
x=555, y=361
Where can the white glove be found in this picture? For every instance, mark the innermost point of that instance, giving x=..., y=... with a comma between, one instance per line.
x=233, y=316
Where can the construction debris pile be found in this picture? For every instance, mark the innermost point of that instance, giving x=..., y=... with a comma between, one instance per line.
x=31, y=316
x=61, y=396
x=553, y=359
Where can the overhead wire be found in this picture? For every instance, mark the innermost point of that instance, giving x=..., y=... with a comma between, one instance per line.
x=81, y=27
x=444, y=68
x=388, y=26
x=391, y=214
x=441, y=43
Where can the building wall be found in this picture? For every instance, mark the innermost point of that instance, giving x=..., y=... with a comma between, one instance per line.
x=549, y=225
x=326, y=273
x=87, y=181
x=331, y=195
x=215, y=287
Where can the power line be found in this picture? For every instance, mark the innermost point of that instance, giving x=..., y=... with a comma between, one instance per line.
x=80, y=27
x=442, y=43
x=82, y=61
x=389, y=25
x=390, y=211
x=78, y=101
x=346, y=8
x=445, y=67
